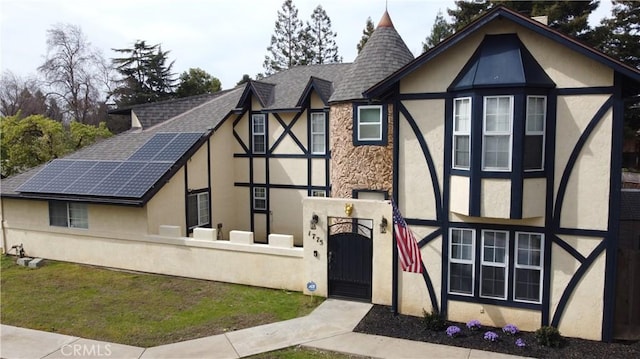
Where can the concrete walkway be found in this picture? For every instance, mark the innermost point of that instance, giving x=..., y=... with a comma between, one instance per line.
x=328, y=327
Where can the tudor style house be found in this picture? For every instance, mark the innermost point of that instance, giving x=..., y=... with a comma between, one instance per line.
x=501, y=147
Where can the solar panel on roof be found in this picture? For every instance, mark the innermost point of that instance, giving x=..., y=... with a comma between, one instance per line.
x=67, y=177
x=121, y=175
x=45, y=175
x=144, y=180
x=92, y=177
x=152, y=147
x=174, y=150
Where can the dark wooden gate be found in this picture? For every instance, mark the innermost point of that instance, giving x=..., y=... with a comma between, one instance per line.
x=350, y=260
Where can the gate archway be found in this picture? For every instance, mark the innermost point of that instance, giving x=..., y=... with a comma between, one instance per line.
x=350, y=257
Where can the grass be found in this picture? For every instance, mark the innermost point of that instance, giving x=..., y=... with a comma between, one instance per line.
x=136, y=308
x=302, y=353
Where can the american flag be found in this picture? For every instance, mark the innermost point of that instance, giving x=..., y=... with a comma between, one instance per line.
x=408, y=251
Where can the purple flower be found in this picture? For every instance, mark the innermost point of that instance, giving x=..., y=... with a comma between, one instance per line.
x=510, y=329
x=474, y=324
x=491, y=336
x=520, y=343
x=453, y=331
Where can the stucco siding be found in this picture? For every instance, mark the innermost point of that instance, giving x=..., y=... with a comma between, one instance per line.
x=286, y=208
x=288, y=171
x=167, y=207
x=494, y=315
x=534, y=197
x=496, y=198
x=197, y=169
x=223, y=175
x=459, y=195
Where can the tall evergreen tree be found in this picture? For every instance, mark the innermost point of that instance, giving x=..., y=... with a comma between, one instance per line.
x=320, y=45
x=286, y=49
x=366, y=34
x=440, y=30
x=197, y=82
x=568, y=17
x=146, y=76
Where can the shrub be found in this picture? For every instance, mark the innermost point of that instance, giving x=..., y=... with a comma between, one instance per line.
x=491, y=336
x=510, y=329
x=434, y=321
x=474, y=324
x=549, y=337
x=453, y=331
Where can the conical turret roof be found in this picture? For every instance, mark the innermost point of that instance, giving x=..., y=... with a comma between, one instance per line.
x=384, y=53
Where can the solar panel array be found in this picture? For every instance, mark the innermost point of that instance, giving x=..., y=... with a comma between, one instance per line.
x=125, y=179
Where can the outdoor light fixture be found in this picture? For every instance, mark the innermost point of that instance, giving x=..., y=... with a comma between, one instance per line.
x=383, y=225
x=314, y=221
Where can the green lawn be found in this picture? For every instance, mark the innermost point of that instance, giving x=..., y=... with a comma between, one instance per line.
x=135, y=308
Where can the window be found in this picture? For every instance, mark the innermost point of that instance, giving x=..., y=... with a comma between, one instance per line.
x=498, y=116
x=493, y=272
x=528, y=267
x=198, y=209
x=259, y=198
x=461, y=132
x=461, y=261
x=68, y=214
x=369, y=123
x=318, y=133
x=258, y=133
x=318, y=193
x=534, y=133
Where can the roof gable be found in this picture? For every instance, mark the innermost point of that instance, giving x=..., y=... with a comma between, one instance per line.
x=501, y=12
x=323, y=88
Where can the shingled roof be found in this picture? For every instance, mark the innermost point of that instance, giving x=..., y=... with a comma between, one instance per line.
x=384, y=53
x=151, y=114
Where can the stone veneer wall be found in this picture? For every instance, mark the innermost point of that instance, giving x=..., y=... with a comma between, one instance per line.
x=357, y=167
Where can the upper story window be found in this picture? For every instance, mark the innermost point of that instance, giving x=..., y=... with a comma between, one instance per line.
x=461, y=132
x=496, y=141
x=258, y=133
x=198, y=209
x=369, y=125
x=68, y=214
x=318, y=133
x=534, y=133
x=259, y=198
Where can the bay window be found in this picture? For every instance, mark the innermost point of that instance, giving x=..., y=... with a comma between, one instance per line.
x=497, y=120
x=461, y=132
x=534, y=133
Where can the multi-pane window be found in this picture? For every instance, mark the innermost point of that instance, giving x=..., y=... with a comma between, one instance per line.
x=461, y=261
x=493, y=271
x=259, y=198
x=258, y=133
x=534, y=133
x=369, y=123
x=528, y=267
x=318, y=193
x=68, y=214
x=498, y=117
x=461, y=132
x=198, y=209
x=318, y=133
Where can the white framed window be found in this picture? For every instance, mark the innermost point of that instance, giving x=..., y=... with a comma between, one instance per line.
x=461, y=132
x=258, y=133
x=318, y=193
x=534, y=133
x=68, y=214
x=369, y=123
x=461, y=261
x=198, y=208
x=259, y=198
x=528, y=267
x=318, y=133
x=497, y=125
x=494, y=263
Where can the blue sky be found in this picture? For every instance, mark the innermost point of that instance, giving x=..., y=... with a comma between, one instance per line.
x=226, y=38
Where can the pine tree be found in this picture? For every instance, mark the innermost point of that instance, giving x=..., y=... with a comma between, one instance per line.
x=366, y=34
x=319, y=40
x=568, y=17
x=285, y=50
x=146, y=76
x=441, y=30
